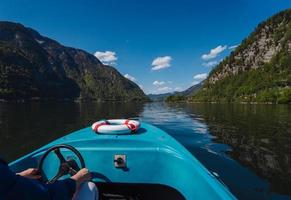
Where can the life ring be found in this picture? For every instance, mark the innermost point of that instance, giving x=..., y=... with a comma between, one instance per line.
x=116, y=126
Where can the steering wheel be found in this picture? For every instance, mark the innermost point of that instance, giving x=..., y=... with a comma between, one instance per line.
x=66, y=166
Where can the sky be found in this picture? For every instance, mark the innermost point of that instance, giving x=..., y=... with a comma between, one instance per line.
x=162, y=45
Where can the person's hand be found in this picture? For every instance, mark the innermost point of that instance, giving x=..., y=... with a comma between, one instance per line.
x=82, y=176
x=31, y=173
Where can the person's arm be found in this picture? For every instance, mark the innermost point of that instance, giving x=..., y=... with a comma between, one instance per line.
x=70, y=185
x=15, y=186
x=63, y=189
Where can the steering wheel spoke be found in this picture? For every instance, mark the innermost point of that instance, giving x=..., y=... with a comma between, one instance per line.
x=56, y=177
x=66, y=166
x=60, y=155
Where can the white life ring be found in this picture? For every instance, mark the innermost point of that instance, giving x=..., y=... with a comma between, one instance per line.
x=116, y=126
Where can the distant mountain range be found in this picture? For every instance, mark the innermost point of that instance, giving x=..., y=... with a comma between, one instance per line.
x=160, y=97
x=258, y=70
x=35, y=67
x=192, y=90
x=176, y=95
x=185, y=95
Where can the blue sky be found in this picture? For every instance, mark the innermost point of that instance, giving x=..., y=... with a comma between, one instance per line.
x=164, y=45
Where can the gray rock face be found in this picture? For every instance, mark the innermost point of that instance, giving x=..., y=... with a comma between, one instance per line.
x=258, y=70
x=264, y=43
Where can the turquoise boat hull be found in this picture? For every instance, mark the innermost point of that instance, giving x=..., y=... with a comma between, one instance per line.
x=152, y=157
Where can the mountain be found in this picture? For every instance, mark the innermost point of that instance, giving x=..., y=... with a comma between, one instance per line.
x=259, y=70
x=192, y=90
x=34, y=66
x=160, y=97
x=176, y=96
x=184, y=95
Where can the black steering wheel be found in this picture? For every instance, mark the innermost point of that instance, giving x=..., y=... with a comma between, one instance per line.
x=66, y=166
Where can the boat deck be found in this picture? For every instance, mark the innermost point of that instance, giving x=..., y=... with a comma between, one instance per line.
x=152, y=158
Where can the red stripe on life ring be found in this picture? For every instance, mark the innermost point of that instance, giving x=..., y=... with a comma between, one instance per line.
x=130, y=126
x=101, y=124
x=126, y=121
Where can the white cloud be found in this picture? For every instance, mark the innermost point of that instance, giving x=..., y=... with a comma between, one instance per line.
x=107, y=57
x=164, y=89
x=161, y=62
x=233, y=47
x=198, y=78
x=159, y=83
x=214, y=52
x=195, y=82
x=178, y=89
x=130, y=77
x=141, y=86
x=210, y=63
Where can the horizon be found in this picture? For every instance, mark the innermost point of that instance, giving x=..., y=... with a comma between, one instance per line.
x=162, y=52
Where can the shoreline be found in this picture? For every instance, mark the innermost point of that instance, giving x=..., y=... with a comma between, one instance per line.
x=69, y=100
x=217, y=102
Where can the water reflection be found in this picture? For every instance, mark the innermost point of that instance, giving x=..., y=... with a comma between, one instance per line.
x=260, y=137
x=27, y=126
x=249, y=146
x=257, y=136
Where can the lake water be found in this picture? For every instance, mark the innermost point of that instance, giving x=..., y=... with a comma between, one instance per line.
x=249, y=146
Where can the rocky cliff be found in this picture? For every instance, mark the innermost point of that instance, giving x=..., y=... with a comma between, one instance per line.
x=259, y=70
x=34, y=66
